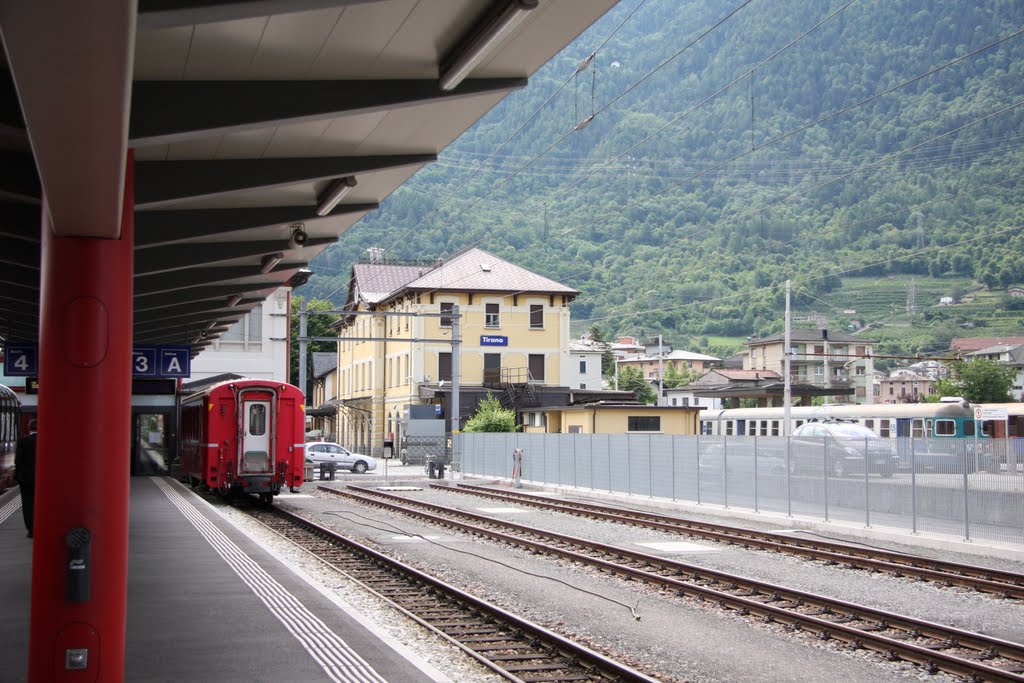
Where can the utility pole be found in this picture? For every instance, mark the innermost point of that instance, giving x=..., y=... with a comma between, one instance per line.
x=303, y=346
x=661, y=356
x=787, y=395
x=456, y=371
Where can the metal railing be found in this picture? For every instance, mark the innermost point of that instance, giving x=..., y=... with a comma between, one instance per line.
x=968, y=488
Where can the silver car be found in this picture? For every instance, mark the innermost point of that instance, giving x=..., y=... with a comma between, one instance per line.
x=343, y=459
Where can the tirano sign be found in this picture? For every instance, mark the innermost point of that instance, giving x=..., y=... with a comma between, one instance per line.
x=490, y=340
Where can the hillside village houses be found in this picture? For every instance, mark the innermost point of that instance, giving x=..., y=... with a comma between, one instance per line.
x=395, y=352
x=823, y=363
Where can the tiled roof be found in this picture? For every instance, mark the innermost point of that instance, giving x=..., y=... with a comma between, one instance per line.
x=324, y=362
x=971, y=344
x=804, y=335
x=378, y=281
x=477, y=271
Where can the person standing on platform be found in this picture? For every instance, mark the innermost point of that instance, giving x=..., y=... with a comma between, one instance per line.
x=25, y=473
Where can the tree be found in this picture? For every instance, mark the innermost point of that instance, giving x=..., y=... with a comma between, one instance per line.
x=491, y=417
x=978, y=381
x=318, y=325
x=632, y=379
x=676, y=376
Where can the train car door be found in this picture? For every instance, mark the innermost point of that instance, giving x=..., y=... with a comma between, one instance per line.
x=741, y=427
x=257, y=417
x=903, y=442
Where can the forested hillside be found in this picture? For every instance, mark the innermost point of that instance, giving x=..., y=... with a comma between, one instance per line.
x=869, y=151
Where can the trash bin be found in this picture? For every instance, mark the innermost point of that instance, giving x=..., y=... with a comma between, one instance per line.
x=327, y=471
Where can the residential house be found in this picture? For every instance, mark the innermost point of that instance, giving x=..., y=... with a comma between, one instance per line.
x=720, y=384
x=627, y=346
x=687, y=397
x=905, y=386
x=585, y=364
x=397, y=342
x=654, y=367
x=820, y=358
x=1010, y=355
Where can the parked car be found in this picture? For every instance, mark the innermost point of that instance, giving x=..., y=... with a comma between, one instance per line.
x=327, y=452
x=841, y=448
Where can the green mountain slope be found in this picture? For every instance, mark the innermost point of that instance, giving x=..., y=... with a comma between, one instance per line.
x=849, y=147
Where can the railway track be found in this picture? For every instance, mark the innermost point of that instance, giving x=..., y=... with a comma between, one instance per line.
x=934, y=646
x=991, y=581
x=503, y=642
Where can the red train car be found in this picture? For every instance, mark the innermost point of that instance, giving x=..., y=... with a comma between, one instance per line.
x=244, y=436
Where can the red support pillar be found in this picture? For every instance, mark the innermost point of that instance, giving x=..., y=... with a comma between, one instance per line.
x=77, y=629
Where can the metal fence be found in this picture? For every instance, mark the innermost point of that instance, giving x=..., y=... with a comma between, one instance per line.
x=970, y=488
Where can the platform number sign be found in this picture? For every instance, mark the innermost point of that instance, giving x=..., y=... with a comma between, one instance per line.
x=21, y=360
x=161, y=361
x=144, y=362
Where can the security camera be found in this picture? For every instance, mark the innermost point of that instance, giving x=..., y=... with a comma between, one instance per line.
x=299, y=238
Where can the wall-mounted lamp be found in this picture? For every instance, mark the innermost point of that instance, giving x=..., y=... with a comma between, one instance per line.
x=481, y=41
x=234, y=301
x=270, y=262
x=334, y=193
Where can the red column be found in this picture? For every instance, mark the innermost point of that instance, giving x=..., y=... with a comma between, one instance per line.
x=83, y=454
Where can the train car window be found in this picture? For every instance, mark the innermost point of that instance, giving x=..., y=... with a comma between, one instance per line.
x=798, y=423
x=870, y=424
x=775, y=427
x=917, y=428
x=928, y=429
x=764, y=427
x=883, y=428
x=728, y=427
x=968, y=427
x=945, y=428
x=257, y=419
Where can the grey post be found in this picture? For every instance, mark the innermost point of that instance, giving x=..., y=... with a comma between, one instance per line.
x=303, y=345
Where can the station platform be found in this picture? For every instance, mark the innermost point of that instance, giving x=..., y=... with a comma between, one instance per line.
x=206, y=603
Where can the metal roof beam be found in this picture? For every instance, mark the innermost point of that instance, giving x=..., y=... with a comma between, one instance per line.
x=157, y=14
x=183, y=256
x=156, y=228
x=173, y=281
x=165, y=112
x=206, y=294
x=159, y=184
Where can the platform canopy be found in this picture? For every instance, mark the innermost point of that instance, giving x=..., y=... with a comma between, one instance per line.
x=262, y=131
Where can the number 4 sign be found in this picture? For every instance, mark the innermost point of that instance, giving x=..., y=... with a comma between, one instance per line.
x=21, y=360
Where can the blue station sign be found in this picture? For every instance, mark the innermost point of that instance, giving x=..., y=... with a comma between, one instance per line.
x=162, y=361
x=493, y=340
x=21, y=360
x=166, y=362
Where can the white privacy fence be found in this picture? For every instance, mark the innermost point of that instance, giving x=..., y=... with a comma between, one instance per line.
x=971, y=488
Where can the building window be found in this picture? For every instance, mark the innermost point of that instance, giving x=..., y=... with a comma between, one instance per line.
x=446, y=307
x=675, y=401
x=583, y=366
x=583, y=385
x=491, y=316
x=536, y=316
x=643, y=423
x=444, y=367
x=536, y=361
x=575, y=429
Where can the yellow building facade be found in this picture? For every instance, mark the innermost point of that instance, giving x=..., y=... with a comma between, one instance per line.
x=620, y=419
x=395, y=344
